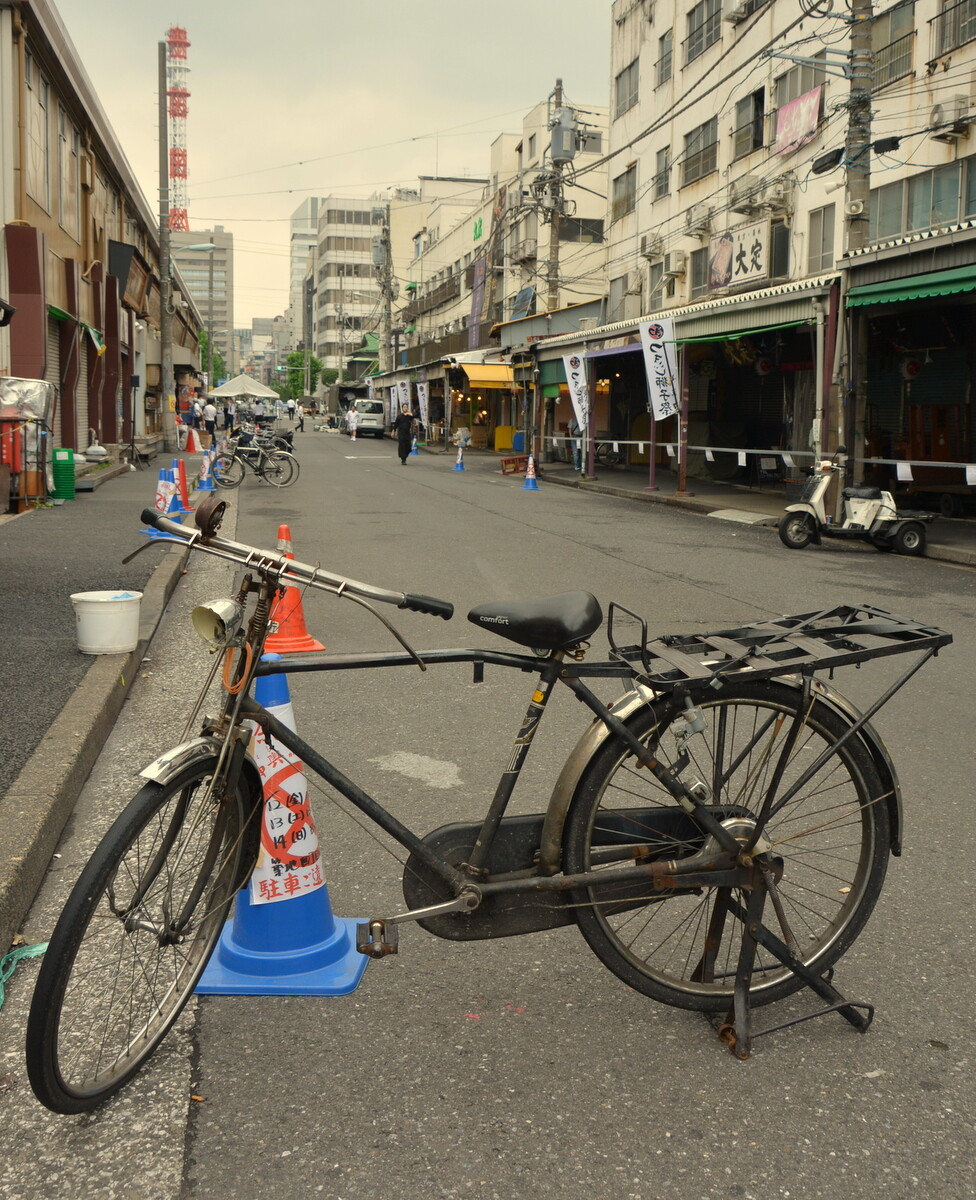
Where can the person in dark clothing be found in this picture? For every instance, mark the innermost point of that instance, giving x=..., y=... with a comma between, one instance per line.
x=403, y=428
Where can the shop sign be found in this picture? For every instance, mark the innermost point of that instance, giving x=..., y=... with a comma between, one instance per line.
x=574, y=366
x=404, y=386
x=422, y=398
x=796, y=122
x=657, y=341
x=739, y=255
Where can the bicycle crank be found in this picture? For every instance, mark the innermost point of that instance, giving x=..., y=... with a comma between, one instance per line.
x=379, y=936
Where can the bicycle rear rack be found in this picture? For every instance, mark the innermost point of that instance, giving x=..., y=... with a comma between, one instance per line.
x=817, y=641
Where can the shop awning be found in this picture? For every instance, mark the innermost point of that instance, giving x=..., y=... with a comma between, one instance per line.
x=916, y=287
x=489, y=375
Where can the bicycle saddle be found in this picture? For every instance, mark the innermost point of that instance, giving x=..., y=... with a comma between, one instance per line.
x=861, y=493
x=553, y=623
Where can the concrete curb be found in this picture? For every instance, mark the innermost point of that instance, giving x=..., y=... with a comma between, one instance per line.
x=39, y=802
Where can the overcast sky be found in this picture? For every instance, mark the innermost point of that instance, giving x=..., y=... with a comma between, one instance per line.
x=297, y=98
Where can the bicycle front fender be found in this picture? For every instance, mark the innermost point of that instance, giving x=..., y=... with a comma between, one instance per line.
x=596, y=734
x=188, y=754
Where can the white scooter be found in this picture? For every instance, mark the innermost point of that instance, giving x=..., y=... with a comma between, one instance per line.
x=869, y=516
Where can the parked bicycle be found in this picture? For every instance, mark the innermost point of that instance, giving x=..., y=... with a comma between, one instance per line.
x=609, y=454
x=276, y=467
x=720, y=834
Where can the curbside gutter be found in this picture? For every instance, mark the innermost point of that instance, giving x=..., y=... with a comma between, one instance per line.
x=40, y=801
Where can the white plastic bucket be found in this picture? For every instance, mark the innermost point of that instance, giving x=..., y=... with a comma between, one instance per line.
x=108, y=622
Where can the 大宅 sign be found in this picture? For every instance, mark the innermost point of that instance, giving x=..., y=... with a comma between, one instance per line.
x=739, y=255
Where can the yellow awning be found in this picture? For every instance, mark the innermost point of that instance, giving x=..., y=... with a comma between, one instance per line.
x=489, y=375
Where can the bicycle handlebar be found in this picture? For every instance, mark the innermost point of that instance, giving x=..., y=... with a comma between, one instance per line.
x=290, y=570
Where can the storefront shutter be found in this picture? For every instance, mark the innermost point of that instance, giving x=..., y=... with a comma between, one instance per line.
x=53, y=374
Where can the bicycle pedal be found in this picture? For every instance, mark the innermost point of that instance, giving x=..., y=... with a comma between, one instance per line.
x=376, y=938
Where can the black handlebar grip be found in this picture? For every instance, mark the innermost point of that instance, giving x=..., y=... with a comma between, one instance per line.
x=427, y=604
x=161, y=522
x=150, y=517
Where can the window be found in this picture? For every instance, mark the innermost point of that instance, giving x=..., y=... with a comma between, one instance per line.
x=799, y=80
x=750, y=124
x=892, y=34
x=69, y=177
x=592, y=142
x=662, y=173
x=955, y=25
x=580, y=229
x=665, y=47
x=698, y=272
x=821, y=246
x=532, y=143
x=701, y=152
x=661, y=287
x=38, y=174
x=626, y=88
x=615, y=300
x=704, y=28
x=623, y=195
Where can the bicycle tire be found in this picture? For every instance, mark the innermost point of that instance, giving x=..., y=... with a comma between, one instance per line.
x=279, y=469
x=110, y=985
x=227, y=471
x=834, y=838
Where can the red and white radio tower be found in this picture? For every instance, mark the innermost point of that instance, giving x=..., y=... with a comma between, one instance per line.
x=177, y=94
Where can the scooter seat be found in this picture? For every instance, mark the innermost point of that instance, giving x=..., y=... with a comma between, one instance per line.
x=862, y=493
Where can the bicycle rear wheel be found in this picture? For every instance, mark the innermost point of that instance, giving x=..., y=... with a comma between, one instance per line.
x=280, y=469
x=227, y=471
x=833, y=836
x=135, y=936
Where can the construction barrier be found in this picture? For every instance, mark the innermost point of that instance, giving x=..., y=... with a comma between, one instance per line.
x=515, y=465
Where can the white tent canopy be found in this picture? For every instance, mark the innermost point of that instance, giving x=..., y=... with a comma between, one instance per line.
x=244, y=385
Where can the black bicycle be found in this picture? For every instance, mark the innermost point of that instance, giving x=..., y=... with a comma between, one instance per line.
x=274, y=466
x=720, y=834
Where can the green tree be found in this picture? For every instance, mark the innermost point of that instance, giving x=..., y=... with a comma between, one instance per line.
x=329, y=375
x=296, y=373
x=219, y=366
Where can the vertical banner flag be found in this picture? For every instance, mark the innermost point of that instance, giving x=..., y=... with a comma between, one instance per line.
x=575, y=369
x=404, y=386
x=369, y=389
x=422, y=398
x=393, y=403
x=657, y=341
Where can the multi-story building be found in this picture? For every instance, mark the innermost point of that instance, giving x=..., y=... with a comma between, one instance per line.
x=303, y=237
x=778, y=172
x=209, y=277
x=79, y=257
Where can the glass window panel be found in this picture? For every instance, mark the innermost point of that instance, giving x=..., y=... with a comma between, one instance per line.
x=920, y=201
x=945, y=194
x=888, y=221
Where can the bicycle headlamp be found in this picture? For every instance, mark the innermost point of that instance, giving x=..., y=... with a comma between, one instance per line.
x=218, y=622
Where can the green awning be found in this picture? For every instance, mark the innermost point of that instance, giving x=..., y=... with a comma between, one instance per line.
x=916, y=287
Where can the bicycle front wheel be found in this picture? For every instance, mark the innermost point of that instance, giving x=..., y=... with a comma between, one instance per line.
x=280, y=469
x=681, y=948
x=227, y=471
x=135, y=936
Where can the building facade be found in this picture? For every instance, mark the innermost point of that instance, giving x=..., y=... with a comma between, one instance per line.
x=209, y=278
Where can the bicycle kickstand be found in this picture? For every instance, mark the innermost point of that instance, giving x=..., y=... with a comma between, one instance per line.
x=736, y=1031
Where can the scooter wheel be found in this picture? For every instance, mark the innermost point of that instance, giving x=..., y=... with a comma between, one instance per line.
x=795, y=530
x=910, y=539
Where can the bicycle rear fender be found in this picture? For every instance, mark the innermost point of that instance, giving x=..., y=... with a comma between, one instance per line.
x=593, y=738
x=188, y=754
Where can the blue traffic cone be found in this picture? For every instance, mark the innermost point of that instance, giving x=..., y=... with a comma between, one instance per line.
x=413, y=447
x=283, y=939
x=531, y=483
x=167, y=503
x=459, y=465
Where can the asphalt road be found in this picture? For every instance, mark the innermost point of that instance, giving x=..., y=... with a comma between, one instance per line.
x=521, y=1067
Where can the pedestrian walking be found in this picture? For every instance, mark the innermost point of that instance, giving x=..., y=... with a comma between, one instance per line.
x=210, y=421
x=197, y=414
x=300, y=427
x=352, y=421
x=403, y=427
x=230, y=412
x=291, y=409
x=258, y=412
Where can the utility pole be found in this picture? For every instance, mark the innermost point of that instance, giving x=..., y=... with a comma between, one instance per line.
x=553, y=202
x=383, y=266
x=857, y=203
x=167, y=381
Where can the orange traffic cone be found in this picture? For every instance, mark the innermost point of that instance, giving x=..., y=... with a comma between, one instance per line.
x=292, y=636
x=193, y=441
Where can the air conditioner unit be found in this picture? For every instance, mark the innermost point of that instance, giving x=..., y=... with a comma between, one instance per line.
x=778, y=195
x=744, y=193
x=950, y=128
x=735, y=11
x=674, y=264
x=525, y=250
x=698, y=220
x=651, y=247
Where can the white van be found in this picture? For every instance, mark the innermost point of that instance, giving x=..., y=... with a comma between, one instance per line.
x=372, y=418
